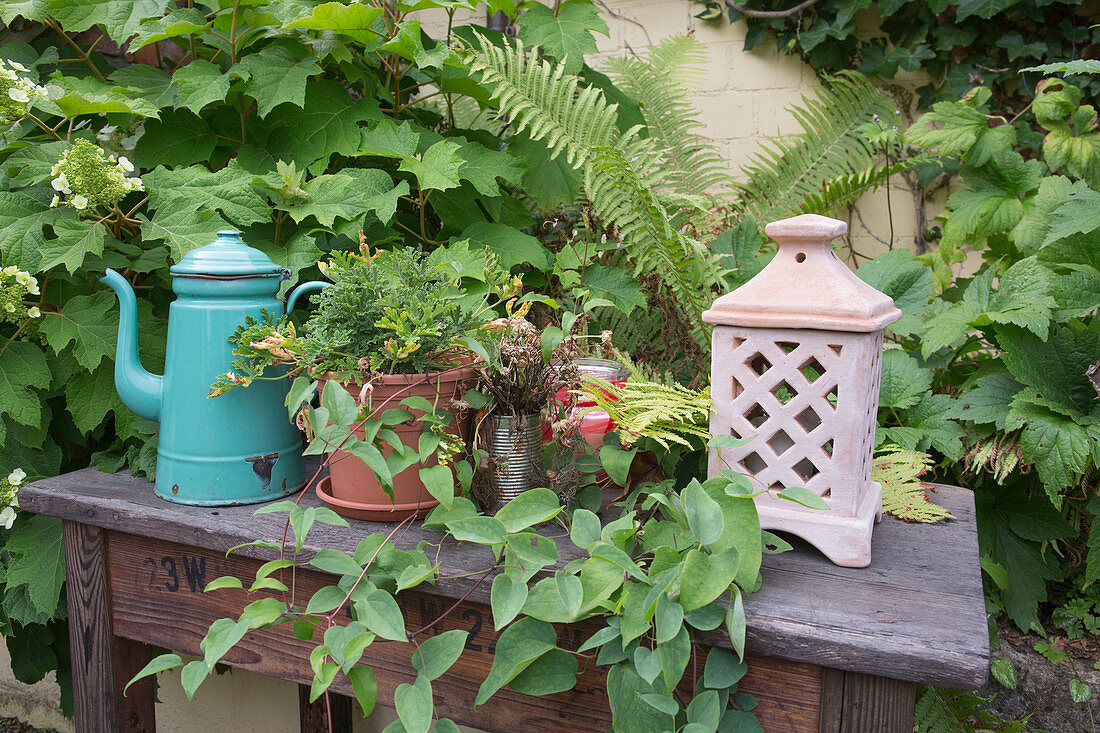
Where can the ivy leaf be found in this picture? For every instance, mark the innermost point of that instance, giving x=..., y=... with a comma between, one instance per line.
x=517, y=648
x=706, y=577
x=529, y=508
x=984, y=9
x=704, y=516
x=277, y=74
x=437, y=168
x=353, y=21
x=506, y=599
x=512, y=246
x=37, y=561
x=436, y=655
x=182, y=229
x=568, y=37
x=229, y=190
x=414, y=705
x=328, y=124
x=348, y=195
x=76, y=239
x=87, y=322
x=904, y=380
x=378, y=610
x=200, y=83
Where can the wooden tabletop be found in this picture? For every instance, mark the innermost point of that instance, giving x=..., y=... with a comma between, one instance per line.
x=917, y=613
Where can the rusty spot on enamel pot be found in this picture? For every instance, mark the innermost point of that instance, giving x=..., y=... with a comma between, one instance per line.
x=262, y=466
x=175, y=489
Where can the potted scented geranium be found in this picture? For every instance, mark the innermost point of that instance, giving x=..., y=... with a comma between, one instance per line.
x=394, y=330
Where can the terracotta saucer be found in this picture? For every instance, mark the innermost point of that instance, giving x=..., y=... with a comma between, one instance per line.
x=371, y=512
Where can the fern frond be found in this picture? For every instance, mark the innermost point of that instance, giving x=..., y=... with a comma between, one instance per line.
x=788, y=171
x=939, y=710
x=661, y=79
x=903, y=493
x=666, y=413
x=622, y=171
x=840, y=192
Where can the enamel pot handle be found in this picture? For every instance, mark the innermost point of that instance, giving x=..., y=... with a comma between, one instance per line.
x=303, y=289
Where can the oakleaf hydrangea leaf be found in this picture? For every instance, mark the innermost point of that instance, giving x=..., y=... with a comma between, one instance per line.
x=567, y=36
x=277, y=74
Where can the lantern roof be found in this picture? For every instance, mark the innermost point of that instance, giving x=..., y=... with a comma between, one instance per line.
x=805, y=286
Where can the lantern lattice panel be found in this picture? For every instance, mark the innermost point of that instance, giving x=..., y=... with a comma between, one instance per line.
x=795, y=390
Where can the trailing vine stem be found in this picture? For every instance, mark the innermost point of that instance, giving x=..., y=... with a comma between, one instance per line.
x=771, y=13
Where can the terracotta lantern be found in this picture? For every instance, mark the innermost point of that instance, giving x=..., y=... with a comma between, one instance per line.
x=796, y=360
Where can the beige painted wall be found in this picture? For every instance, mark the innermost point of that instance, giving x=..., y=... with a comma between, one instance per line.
x=743, y=98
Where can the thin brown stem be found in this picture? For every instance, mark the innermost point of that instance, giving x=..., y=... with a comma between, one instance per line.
x=459, y=602
x=771, y=13
x=79, y=51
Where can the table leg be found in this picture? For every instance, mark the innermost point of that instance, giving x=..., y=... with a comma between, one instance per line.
x=855, y=703
x=314, y=717
x=101, y=662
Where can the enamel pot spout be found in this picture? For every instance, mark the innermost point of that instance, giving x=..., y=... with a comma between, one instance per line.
x=140, y=390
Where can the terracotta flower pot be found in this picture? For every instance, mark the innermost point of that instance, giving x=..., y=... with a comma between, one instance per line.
x=353, y=489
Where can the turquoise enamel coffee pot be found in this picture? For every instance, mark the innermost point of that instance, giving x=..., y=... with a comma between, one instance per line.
x=238, y=448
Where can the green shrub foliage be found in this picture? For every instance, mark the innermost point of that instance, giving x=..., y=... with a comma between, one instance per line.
x=992, y=369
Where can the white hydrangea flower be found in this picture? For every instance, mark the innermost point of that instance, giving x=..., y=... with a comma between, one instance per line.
x=54, y=200
x=9, y=270
x=7, y=517
x=53, y=91
x=79, y=202
x=125, y=164
x=61, y=183
x=17, y=66
x=15, y=478
x=33, y=312
x=18, y=94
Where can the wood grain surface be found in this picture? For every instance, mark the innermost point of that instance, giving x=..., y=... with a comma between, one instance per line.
x=917, y=613
x=102, y=662
x=154, y=581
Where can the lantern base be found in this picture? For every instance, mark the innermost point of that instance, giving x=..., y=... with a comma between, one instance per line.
x=844, y=539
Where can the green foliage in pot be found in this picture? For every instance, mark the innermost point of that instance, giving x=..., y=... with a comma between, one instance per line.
x=397, y=311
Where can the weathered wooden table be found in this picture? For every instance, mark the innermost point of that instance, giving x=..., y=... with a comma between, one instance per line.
x=831, y=649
